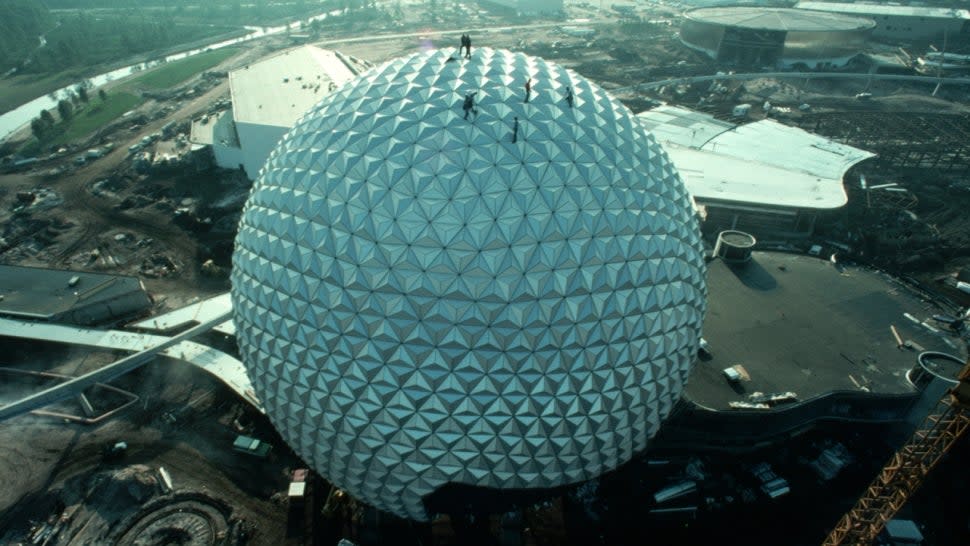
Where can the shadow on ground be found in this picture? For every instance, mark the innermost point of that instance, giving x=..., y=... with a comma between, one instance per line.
x=753, y=275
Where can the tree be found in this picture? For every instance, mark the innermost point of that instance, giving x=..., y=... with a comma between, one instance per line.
x=82, y=93
x=43, y=125
x=37, y=127
x=65, y=109
x=102, y=95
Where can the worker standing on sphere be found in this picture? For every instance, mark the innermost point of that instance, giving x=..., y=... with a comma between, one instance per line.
x=469, y=104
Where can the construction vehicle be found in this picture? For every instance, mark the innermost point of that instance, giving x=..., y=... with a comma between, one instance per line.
x=907, y=469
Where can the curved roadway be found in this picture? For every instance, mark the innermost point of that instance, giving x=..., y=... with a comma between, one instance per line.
x=225, y=368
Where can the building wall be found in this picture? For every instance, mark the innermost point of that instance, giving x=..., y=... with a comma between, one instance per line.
x=256, y=142
x=748, y=47
x=245, y=145
x=762, y=222
x=703, y=37
x=123, y=306
x=227, y=157
x=833, y=47
x=744, y=430
x=225, y=142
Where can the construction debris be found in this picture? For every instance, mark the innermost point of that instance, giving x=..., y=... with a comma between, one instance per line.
x=831, y=461
x=899, y=340
x=736, y=373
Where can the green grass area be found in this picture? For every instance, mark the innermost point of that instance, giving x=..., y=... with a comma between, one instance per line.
x=95, y=114
x=127, y=96
x=85, y=120
x=171, y=74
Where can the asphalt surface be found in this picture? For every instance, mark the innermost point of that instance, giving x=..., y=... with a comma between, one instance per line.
x=799, y=323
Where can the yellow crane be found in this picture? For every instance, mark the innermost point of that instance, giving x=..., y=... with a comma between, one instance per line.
x=904, y=473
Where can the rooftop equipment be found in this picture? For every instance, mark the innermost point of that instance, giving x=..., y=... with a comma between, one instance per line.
x=734, y=246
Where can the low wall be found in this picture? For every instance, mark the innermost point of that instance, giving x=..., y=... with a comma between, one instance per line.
x=740, y=430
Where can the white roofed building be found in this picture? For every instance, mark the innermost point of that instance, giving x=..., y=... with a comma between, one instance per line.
x=268, y=97
x=897, y=22
x=765, y=177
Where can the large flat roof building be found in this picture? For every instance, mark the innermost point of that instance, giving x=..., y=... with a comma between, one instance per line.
x=75, y=297
x=762, y=177
x=813, y=342
x=268, y=97
x=783, y=314
x=901, y=22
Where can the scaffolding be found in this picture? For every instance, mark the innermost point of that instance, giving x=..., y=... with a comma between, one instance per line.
x=902, y=140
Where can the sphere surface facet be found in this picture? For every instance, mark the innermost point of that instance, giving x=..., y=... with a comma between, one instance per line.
x=419, y=300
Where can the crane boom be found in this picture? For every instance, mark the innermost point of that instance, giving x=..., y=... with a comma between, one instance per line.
x=907, y=469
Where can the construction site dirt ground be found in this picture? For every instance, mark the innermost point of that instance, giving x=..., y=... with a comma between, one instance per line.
x=183, y=422
x=90, y=228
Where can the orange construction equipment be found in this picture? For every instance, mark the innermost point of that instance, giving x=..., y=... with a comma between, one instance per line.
x=907, y=469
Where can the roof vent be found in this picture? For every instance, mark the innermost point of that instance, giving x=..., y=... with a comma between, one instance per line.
x=734, y=247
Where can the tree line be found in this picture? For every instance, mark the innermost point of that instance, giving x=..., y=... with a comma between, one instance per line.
x=85, y=40
x=21, y=24
x=120, y=28
x=94, y=4
x=254, y=12
x=45, y=127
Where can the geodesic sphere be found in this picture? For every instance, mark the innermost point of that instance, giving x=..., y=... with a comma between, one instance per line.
x=421, y=301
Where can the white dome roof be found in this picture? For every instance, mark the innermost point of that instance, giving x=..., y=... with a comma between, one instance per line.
x=421, y=301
